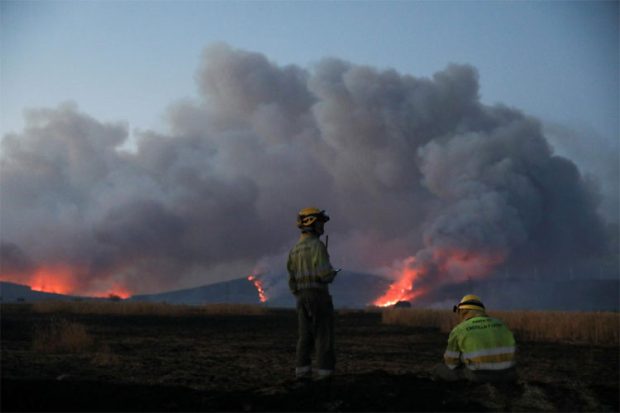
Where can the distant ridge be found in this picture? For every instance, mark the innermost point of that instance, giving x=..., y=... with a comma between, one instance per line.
x=239, y=291
x=358, y=290
x=350, y=289
x=15, y=293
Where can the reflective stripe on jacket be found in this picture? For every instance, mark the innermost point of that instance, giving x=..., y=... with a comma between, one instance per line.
x=481, y=343
x=308, y=264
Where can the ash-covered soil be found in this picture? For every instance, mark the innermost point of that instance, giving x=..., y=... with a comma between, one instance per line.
x=246, y=363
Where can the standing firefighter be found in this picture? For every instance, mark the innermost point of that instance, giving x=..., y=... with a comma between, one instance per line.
x=480, y=348
x=310, y=272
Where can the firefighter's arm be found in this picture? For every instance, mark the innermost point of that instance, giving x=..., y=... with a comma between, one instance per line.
x=452, y=355
x=323, y=266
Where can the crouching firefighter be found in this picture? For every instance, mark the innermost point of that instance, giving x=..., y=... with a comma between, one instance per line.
x=480, y=348
x=310, y=272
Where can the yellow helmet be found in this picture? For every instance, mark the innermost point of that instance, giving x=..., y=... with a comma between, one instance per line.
x=469, y=302
x=308, y=216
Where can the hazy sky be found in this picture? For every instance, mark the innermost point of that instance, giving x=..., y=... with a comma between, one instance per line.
x=128, y=60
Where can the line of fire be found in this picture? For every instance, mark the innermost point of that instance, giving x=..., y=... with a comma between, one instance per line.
x=411, y=281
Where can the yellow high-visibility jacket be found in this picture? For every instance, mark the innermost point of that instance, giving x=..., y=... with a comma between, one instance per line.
x=481, y=343
x=308, y=265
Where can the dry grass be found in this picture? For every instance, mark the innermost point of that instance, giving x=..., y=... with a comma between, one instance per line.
x=414, y=317
x=593, y=328
x=62, y=336
x=602, y=328
x=144, y=308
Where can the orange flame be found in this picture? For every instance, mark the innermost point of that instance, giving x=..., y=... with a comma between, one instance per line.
x=64, y=279
x=258, y=284
x=58, y=279
x=403, y=288
x=452, y=265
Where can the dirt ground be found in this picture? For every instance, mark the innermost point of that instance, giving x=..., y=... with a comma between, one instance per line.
x=245, y=363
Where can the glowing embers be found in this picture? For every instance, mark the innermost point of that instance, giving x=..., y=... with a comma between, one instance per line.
x=403, y=288
x=258, y=284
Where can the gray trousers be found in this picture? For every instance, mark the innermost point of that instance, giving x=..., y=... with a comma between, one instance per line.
x=445, y=373
x=315, y=315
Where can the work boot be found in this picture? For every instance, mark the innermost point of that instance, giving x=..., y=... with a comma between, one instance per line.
x=303, y=372
x=303, y=377
x=302, y=383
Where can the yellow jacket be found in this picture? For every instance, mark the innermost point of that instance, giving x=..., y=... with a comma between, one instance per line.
x=481, y=343
x=308, y=265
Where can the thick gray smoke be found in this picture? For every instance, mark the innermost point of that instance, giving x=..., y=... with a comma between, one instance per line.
x=405, y=166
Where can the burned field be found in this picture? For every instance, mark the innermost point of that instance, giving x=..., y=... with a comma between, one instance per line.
x=224, y=362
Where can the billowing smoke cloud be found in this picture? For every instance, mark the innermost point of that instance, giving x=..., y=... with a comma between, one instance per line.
x=597, y=158
x=406, y=167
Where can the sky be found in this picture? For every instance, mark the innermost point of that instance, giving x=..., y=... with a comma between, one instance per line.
x=157, y=145
x=128, y=60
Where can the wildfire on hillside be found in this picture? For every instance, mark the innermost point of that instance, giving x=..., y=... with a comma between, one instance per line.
x=63, y=279
x=258, y=284
x=57, y=279
x=403, y=288
x=446, y=266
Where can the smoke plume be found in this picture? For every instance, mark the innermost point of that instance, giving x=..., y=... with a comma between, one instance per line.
x=405, y=166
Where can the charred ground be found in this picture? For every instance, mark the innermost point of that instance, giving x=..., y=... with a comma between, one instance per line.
x=245, y=363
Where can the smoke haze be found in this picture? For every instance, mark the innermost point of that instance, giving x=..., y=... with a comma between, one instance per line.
x=405, y=166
